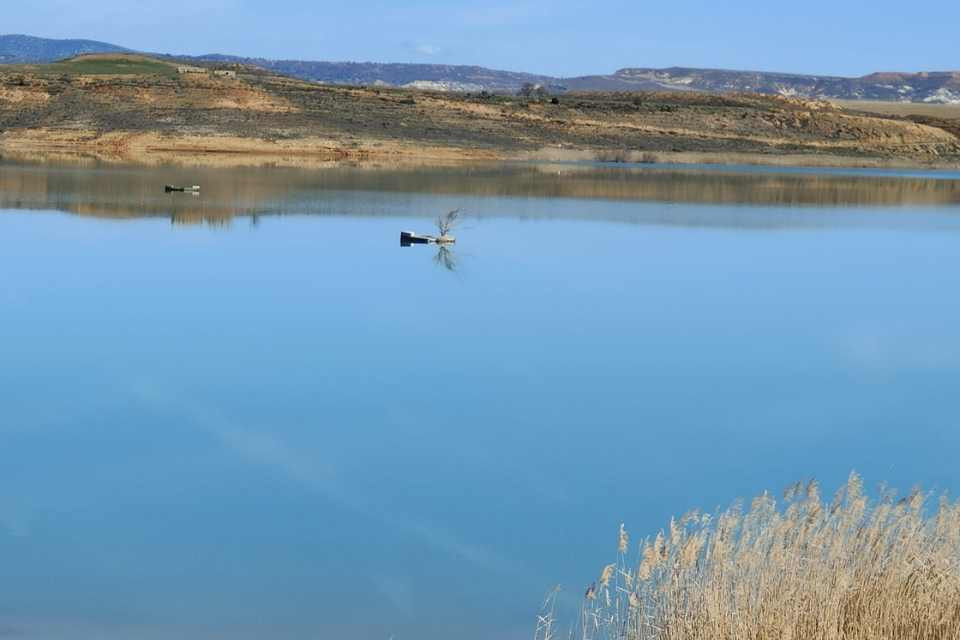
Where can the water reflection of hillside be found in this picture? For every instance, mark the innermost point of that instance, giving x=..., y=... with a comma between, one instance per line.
x=227, y=193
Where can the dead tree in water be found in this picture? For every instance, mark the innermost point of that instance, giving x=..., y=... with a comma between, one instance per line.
x=447, y=222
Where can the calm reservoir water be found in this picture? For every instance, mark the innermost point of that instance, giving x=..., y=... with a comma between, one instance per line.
x=251, y=414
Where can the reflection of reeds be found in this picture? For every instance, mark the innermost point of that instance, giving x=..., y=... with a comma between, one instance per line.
x=850, y=569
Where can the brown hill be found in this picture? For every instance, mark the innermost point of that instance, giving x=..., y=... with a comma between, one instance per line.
x=133, y=107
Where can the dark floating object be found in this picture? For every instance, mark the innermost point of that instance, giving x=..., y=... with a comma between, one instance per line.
x=408, y=238
x=169, y=188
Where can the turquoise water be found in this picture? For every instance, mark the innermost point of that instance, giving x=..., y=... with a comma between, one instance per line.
x=252, y=414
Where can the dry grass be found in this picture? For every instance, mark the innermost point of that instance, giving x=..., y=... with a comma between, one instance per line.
x=849, y=569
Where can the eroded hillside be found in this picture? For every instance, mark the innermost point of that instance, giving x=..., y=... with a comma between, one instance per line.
x=140, y=109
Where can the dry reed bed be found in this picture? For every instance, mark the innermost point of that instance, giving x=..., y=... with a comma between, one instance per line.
x=849, y=569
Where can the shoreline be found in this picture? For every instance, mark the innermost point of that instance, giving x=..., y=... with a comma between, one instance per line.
x=149, y=149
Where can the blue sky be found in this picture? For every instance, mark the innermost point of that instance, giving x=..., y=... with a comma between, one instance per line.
x=558, y=37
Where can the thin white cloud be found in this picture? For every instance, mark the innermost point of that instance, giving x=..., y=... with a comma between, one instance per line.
x=14, y=521
x=879, y=350
x=427, y=50
x=308, y=467
x=398, y=592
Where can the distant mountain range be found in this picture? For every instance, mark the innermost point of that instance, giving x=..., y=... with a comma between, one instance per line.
x=18, y=49
x=931, y=87
x=427, y=76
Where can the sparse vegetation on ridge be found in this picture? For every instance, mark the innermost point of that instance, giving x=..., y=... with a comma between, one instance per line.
x=132, y=107
x=847, y=569
x=105, y=64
